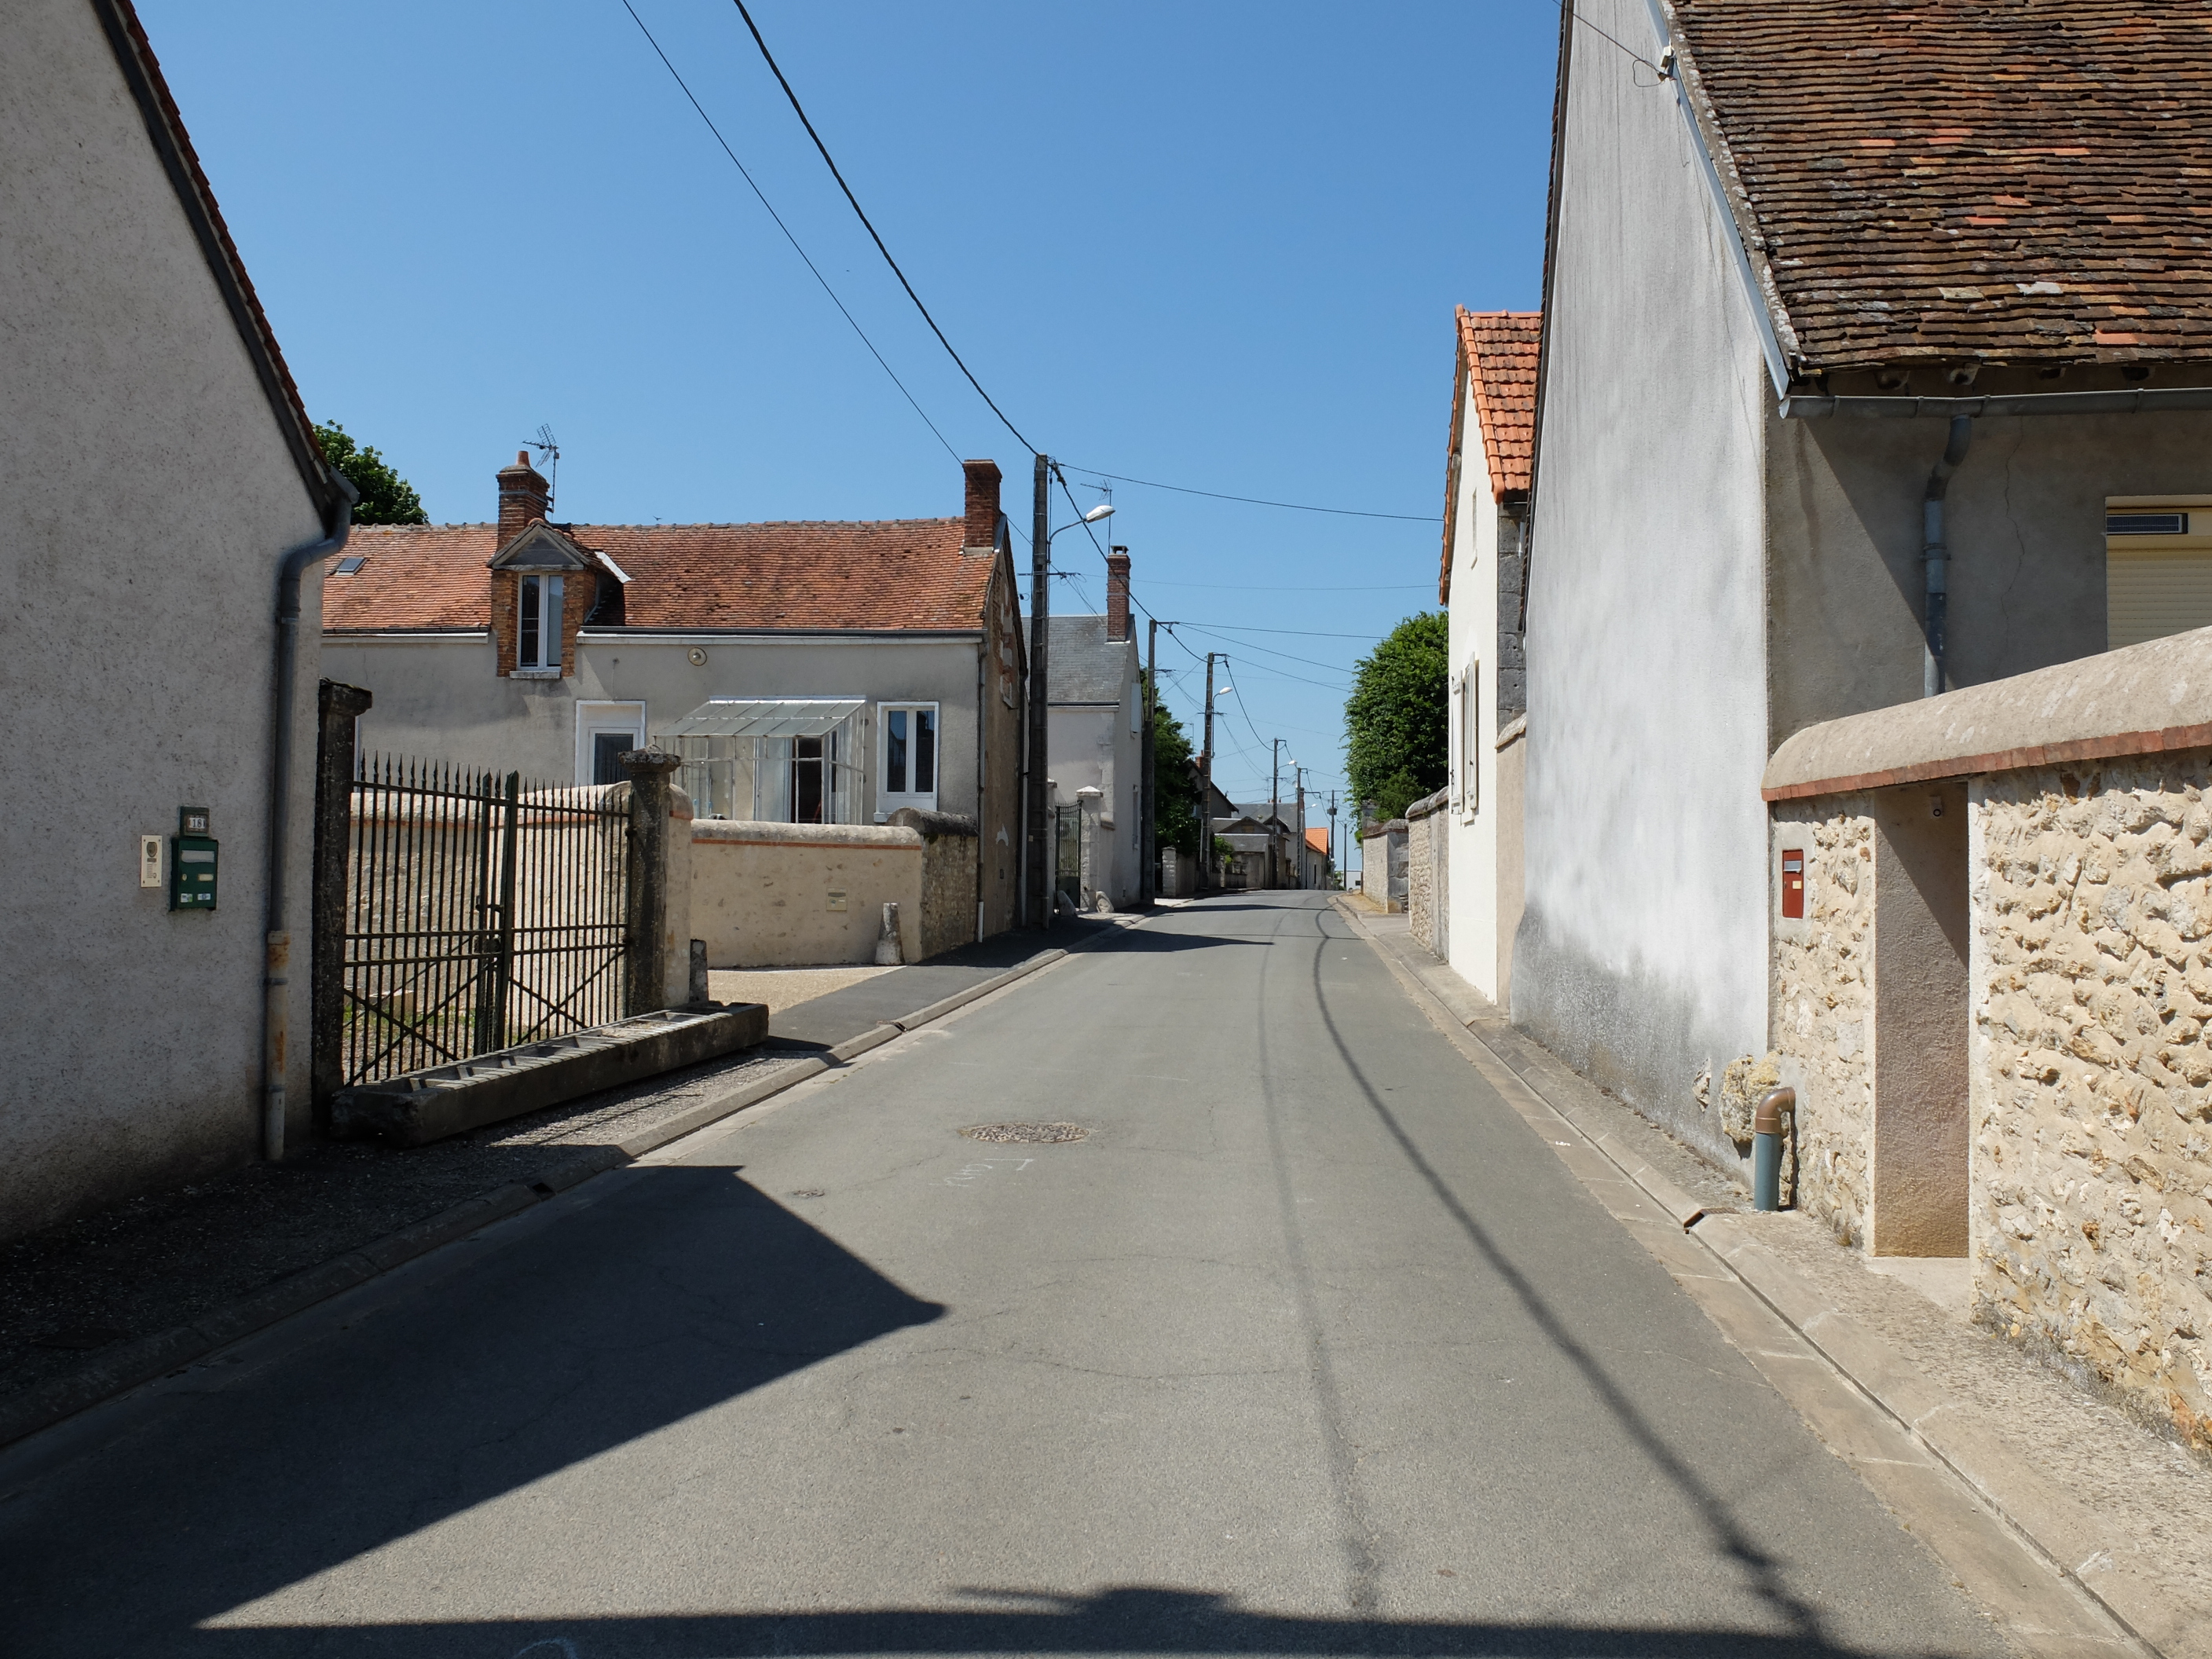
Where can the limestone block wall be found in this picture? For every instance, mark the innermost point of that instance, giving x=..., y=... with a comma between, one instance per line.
x=1823, y=1004
x=802, y=895
x=2092, y=1080
x=1425, y=870
x=949, y=892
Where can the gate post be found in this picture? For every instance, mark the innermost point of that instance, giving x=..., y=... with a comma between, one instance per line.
x=336, y=708
x=645, y=943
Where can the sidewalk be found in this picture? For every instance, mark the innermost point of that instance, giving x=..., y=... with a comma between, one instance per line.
x=97, y=1304
x=2115, y=1507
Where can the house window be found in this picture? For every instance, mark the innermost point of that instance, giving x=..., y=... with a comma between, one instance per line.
x=1470, y=738
x=2158, y=567
x=537, y=624
x=909, y=777
x=603, y=730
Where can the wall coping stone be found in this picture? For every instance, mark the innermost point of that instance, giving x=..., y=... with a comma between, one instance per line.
x=751, y=832
x=2144, y=699
x=1428, y=806
x=930, y=825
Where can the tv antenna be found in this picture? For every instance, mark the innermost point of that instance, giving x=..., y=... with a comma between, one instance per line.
x=546, y=445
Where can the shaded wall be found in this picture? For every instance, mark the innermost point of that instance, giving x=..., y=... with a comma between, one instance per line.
x=1641, y=953
x=148, y=499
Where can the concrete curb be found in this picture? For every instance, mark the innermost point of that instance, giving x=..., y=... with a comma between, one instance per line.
x=141, y=1362
x=2046, y=1519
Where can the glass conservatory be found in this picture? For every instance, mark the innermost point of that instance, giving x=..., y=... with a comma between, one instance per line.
x=770, y=759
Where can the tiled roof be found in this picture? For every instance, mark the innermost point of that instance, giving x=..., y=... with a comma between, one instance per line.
x=2003, y=180
x=1497, y=360
x=1500, y=349
x=890, y=573
x=1317, y=839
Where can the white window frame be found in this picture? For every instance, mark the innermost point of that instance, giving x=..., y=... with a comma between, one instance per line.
x=547, y=600
x=887, y=800
x=1470, y=749
x=594, y=718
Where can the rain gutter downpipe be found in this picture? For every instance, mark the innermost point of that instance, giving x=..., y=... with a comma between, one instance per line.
x=1936, y=554
x=276, y=982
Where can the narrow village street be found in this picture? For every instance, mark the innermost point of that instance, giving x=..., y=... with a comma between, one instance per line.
x=1308, y=1344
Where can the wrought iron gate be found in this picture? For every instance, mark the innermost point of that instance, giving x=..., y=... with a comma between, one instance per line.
x=481, y=912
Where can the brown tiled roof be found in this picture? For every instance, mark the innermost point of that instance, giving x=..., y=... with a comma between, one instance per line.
x=890, y=573
x=1497, y=364
x=2003, y=180
x=1500, y=349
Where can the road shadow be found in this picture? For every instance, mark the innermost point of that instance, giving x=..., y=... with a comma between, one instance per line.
x=1119, y=1619
x=673, y=1292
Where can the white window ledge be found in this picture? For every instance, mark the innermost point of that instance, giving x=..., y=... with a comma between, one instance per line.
x=535, y=674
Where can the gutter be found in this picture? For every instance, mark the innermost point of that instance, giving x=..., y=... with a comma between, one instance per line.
x=2139, y=400
x=276, y=982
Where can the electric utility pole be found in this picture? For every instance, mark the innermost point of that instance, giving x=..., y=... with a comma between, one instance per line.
x=1274, y=813
x=1205, y=787
x=1037, y=839
x=1299, y=853
x=1149, y=819
x=1332, y=831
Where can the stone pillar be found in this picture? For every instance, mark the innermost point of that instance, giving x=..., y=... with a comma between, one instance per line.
x=336, y=708
x=644, y=964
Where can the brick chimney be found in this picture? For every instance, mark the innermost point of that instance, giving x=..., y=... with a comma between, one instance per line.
x=1117, y=594
x=523, y=495
x=982, y=503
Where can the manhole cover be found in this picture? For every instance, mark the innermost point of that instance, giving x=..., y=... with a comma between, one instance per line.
x=1026, y=1134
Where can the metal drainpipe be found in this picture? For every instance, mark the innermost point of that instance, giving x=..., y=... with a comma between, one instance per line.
x=1937, y=555
x=1766, y=1147
x=276, y=988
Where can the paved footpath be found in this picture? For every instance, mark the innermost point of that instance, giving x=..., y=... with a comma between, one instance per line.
x=1311, y=1345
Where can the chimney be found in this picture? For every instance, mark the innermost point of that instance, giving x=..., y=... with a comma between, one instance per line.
x=522, y=496
x=982, y=503
x=1117, y=594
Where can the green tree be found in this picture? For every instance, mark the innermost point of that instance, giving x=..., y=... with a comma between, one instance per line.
x=385, y=497
x=1397, y=721
x=1174, y=813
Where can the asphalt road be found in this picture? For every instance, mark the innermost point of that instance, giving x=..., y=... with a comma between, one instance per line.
x=1310, y=1347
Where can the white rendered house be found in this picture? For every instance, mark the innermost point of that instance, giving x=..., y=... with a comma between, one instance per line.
x=1486, y=510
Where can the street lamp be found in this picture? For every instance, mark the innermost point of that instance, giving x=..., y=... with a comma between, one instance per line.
x=1035, y=878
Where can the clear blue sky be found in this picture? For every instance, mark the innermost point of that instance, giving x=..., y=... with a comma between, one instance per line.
x=1214, y=245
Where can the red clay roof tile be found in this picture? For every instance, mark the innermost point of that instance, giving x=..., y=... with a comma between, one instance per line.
x=895, y=574
x=1988, y=179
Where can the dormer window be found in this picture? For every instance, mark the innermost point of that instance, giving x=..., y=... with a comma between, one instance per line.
x=537, y=629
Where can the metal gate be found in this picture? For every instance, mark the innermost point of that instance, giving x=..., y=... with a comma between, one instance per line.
x=480, y=912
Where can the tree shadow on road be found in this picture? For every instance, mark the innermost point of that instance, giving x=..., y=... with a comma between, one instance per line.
x=666, y=1293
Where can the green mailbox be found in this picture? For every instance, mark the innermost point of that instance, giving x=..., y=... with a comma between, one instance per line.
x=193, y=861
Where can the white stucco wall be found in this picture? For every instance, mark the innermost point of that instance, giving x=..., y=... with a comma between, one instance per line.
x=1472, y=618
x=441, y=696
x=147, y=499
x=1641, y=954
x=1093, y=746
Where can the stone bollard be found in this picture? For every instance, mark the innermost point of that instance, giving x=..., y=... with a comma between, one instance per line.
x=887, y=942
x=701, y=988
x=645, y=968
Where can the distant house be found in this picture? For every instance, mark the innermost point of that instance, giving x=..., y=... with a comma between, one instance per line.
x=807, y=672
x=162, y=482
x=1485, y=533
x=1094, y=741
x=1264, y=839
x=1855, y=387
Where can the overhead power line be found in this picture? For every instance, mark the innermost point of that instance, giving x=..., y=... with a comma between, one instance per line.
x=1258, y=500
x=786, y=229
x=831, y=162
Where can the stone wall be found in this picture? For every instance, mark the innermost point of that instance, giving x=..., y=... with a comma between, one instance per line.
x=802, y=895
x=1427, y=871
x=949, y=893
x=1823, y=1005
x=2092, y=1104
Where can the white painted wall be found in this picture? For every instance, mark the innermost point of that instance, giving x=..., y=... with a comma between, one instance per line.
x=146, y=498
x=1096, y=745
x=440, y=695
x=1641, y=953
x=1472, y=618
